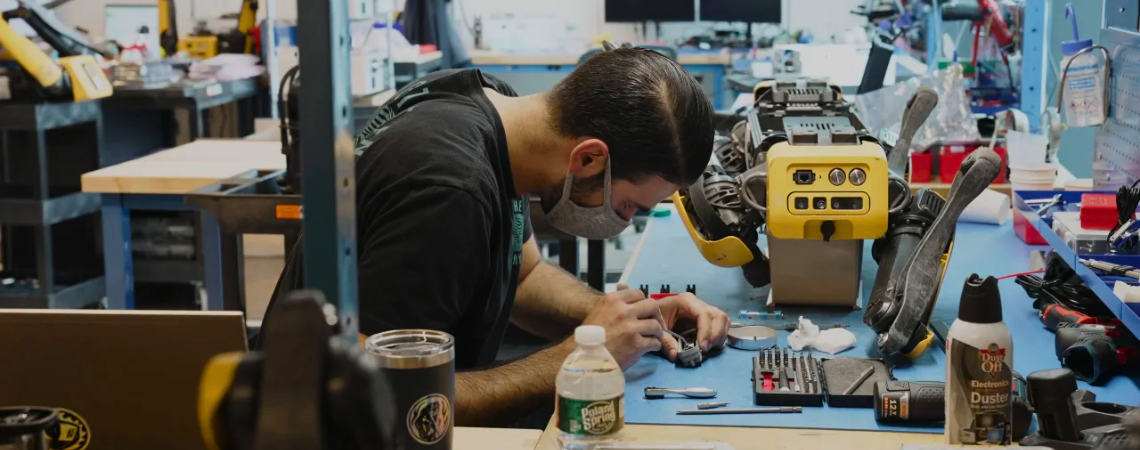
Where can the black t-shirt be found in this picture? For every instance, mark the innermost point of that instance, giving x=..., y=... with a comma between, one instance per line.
x=440, y=227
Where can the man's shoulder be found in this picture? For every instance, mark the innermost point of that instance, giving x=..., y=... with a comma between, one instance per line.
x=440, y=143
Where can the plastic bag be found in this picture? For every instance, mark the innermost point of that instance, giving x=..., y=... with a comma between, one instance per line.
x=951, y=120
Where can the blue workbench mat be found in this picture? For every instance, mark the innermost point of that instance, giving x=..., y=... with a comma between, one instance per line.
x=668, y=256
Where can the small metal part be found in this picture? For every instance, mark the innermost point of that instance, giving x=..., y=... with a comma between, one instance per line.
x=836, y=176
x=689, y=354
x=859, y=382
x=785, y=363
x=654, y=393
x=782, y=410
x=858, y=177
x=712, y=405
x=1045, y=206
x=792, y=326
x=763, y=315
x=690, y=357
x=752, y=337
x=797, y=379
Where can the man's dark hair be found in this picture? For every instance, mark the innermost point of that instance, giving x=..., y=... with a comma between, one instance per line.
x=649, y=110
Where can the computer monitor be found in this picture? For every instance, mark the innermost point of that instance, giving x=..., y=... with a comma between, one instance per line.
x=650, y=10
x=121, y=23
x=751, y=11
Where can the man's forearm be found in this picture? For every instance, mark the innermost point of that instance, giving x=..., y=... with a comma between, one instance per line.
x=502, y=395
x=551, y=303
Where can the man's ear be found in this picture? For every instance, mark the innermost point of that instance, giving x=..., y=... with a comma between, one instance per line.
x=588, y=158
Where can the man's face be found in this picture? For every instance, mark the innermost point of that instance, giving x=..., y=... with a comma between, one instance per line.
x=626, y=197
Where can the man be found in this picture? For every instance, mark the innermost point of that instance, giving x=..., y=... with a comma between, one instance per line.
x=444, y=172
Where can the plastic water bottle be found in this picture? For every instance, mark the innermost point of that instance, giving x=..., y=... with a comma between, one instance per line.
x=590, y=393
x=1085, y=80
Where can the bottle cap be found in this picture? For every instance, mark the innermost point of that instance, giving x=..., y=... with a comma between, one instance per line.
x=1070, y=48
x=590, y=335
x=981, y=300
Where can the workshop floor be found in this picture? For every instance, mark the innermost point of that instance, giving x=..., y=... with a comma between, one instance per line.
x=264, y=261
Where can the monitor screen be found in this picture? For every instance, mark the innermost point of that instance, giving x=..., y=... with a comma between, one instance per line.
x=752, y=11
x=654, y=10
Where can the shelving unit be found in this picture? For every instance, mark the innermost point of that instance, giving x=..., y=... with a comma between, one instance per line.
x=42, y=207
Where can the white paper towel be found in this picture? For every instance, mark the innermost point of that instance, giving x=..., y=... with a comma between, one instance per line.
x=990, y=207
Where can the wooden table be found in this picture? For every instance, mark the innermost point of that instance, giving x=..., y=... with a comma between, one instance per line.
x=159, y=182
x=408, y=69
x=495, y=439
x=534, y=73
x=741, y=438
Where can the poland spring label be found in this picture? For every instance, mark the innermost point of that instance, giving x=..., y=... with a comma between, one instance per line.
x=591, y=417
x=979, y=407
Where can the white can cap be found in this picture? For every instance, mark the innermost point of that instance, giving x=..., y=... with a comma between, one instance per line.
x=590, y=335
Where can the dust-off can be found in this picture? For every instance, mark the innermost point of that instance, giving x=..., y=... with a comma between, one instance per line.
x=420, y=365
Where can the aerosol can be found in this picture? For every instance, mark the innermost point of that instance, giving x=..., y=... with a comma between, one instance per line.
x=979, y=369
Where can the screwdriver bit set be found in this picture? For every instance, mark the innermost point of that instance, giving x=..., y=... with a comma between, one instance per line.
x=782, y=377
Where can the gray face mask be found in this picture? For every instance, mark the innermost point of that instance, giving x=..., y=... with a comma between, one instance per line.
x=599, y=222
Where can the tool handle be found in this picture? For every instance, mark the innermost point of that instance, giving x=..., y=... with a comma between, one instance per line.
x=910, y=402
x=1056, y=314
x=698, y=392
x=918, y=109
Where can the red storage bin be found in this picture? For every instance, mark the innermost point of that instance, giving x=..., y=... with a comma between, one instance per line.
x=1026, y=231
x=951, y=157
x=920, y=165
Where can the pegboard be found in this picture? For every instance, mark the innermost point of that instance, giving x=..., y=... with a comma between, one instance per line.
x=1116, y=158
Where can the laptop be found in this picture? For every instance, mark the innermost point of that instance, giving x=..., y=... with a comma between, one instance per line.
x=124, y=380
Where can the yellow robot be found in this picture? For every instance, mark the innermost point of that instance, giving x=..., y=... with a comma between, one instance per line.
x=804, y=172
x=76, y=76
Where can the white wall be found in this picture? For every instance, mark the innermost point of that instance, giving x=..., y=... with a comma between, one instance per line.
x=823, y=18
x=88, y=14
x=585, y=18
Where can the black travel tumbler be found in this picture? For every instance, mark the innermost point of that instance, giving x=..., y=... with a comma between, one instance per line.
x=420, y=365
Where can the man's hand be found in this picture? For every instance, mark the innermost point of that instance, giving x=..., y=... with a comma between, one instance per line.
x=683, y=312
x=633, y=324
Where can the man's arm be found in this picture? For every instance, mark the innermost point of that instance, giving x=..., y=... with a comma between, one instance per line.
x=501, y=395
x=549, y=302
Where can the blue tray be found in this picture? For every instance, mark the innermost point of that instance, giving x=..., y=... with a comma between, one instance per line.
x=1129, y=314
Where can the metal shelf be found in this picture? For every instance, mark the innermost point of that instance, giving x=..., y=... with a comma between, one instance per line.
x=167, y=271
x=71, y=296
x=14, y=211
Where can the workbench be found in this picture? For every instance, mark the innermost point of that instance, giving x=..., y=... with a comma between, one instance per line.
x=410, y=69
x=666, y=255
x=160, y=182
x=531, y=74
x=140, y=121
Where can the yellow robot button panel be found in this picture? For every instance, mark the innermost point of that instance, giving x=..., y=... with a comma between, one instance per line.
x=810, y=186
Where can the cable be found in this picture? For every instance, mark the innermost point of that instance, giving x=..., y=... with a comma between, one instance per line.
x=283, y=103
x=1127, y=200
x=1061, y=285
x=1012, y=275
x=463, y=15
